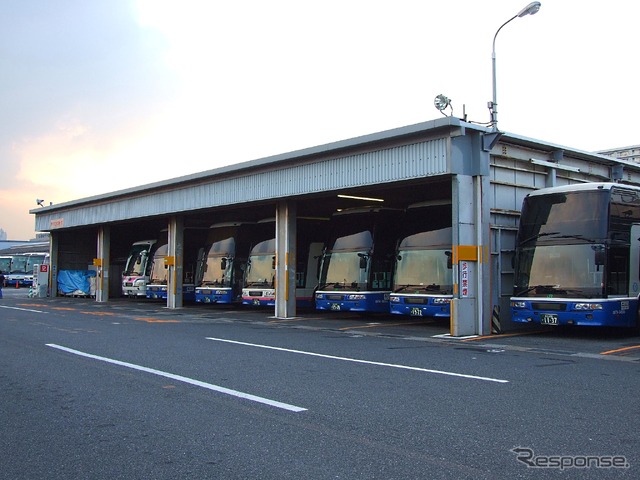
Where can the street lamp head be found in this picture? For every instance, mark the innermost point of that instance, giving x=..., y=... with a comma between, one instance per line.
x=530, y=9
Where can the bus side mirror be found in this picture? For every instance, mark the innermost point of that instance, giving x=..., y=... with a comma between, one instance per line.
x=223, y=263
x=363, y=260
x=449, y=261
x=599, y=258
x=273, y=262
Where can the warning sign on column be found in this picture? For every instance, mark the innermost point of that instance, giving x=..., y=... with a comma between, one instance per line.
x=464, y=279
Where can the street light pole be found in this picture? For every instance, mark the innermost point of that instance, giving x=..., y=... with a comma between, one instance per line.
x=530, y=9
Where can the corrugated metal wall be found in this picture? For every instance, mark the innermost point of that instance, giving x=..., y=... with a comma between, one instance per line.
x=397, y=163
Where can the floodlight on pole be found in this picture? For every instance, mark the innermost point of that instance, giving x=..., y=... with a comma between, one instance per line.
x=530, y=9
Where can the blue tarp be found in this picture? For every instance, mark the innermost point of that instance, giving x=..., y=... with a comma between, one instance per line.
x=75, y=281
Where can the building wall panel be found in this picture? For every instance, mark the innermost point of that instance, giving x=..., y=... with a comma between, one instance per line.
x=397, y=163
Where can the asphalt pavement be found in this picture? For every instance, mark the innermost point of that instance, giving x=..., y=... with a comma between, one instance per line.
x=131, y=389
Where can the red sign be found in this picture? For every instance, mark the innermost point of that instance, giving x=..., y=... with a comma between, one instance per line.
x=44, y=268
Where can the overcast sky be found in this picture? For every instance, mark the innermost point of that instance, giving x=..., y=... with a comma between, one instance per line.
x=100, y=95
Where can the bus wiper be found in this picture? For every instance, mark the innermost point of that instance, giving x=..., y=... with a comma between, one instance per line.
x=545, y=234
x=540, y=288
x=404, y=287
x=427, y=288
x=578, y=237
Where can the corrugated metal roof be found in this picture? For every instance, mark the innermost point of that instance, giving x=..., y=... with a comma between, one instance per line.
x=309, y=171
x=411, y=152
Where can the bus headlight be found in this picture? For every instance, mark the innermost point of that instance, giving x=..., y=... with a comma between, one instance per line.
x=588, y=306
x=356, y=297
x=270, y=293
x=394, y=299
x=518, y=304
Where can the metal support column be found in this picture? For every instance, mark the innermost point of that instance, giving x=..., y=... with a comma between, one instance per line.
x=54, y=243
x=483, y=240
x=101, y=262
x=286, y=259
x=175, y=262
x=471, y=305
x=465, y=305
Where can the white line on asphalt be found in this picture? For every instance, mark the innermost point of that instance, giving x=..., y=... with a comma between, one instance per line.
x=23, y=309
x=367, y=362
x=180, y=378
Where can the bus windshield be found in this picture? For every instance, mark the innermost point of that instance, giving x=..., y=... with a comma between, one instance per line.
x=564, y=215
x=5, y=264
x=19, y=264
x=560, y=271
x=426, y=270
x=34, y=260
x=137, y=261
x=260, y=270
x=345, y=269
x=347, y=264
x=572, y=215
x=217, y=271
x=159, y=274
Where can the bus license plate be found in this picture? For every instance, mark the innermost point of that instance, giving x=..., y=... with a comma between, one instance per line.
x=549, y=319
x=335, y=306
x=416, y=312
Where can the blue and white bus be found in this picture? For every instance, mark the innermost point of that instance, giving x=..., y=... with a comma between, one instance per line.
x=5, y=264
x=219, y=278
x=22, y=268
x=138, y=268
x=260, y=288
x=423, y=274
x=577, y=259
x=357, y=264
x=159, y=276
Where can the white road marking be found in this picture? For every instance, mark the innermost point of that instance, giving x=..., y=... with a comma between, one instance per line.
x=23, y=309
x=367, y=362
x=448, y=335
x=180, y=378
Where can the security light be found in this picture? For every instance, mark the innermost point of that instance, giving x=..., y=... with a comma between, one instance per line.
x=441, y=102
